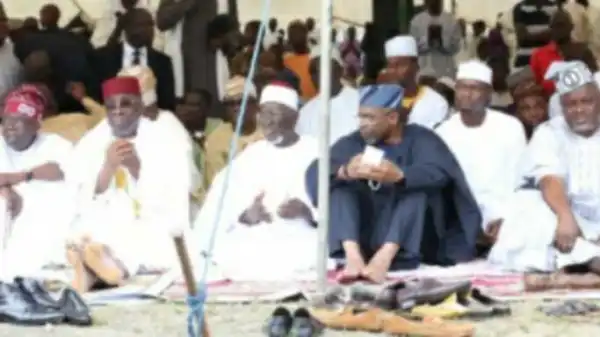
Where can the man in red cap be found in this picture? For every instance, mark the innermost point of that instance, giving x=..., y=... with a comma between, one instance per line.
x=132, y=186
x=35, y=205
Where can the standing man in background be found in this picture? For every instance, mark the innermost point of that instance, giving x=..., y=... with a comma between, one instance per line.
x=438, y=36
x=531, y=19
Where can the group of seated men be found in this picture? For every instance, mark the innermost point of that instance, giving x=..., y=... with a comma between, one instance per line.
x=414, y=182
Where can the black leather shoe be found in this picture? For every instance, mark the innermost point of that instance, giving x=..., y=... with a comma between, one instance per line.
x=304, y=325
x=19, y=307
x=37, y=291
x=74, y=308
x=279, y=324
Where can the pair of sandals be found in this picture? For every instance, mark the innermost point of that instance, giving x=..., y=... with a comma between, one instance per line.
x=376, y=320
x=283, y=323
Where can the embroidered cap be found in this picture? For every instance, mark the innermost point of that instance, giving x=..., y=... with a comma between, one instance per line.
x=402, y=45
x=23, y=103
x=386, y=96
x=569, y=76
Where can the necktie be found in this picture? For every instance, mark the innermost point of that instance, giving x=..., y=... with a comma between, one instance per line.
x=136, y=57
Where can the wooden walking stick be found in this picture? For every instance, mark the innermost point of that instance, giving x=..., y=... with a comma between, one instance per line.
x=188, y=277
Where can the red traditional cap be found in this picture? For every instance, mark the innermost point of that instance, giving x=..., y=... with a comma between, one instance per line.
x=121, y=86
x=24, y=103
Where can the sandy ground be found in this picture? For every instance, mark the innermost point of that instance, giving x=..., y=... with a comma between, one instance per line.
x=246, y=320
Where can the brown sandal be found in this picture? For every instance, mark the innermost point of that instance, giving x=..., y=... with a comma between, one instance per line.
x=350, y=319
x=398, y=325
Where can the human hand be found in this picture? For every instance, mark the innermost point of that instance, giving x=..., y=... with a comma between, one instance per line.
x=77, y=90
x=386, y=172
x=118, y=151
x=294, y=209
x=566, y=233
x=256, y=213
x=492, y=230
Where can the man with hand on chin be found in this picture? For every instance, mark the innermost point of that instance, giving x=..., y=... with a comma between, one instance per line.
x=398, y=196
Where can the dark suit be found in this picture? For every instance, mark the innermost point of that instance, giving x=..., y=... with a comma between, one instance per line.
x=109, y=61
x=71, y=58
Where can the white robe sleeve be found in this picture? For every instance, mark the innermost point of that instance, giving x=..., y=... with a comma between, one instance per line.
x=546, y=154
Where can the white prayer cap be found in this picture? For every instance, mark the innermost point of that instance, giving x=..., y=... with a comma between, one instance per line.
x=474, y=70
x=402, y=45
x=147, y=82
x=279, y=93
x=335, y=55
x=569, y=75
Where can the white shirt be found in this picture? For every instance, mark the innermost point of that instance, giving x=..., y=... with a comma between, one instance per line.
x=10, y=69
x=128, y=56
x=429, y=110
x=343, y=115
x=556, y=150
x=490, y=156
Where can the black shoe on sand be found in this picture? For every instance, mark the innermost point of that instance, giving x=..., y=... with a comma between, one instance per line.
x=280, y=323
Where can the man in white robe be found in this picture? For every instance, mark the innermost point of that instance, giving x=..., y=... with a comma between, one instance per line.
x=265, y=221
x=488, y=144
x=35, y=202
x=132, y=192
x=168, y=127
x=558, y=224
x=424, y=105
x=343, y=111
x=439, y=35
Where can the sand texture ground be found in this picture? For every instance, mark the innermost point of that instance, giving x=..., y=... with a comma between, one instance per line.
x=159, y=320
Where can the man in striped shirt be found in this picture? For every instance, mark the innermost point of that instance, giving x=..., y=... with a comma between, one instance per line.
x=531, y=21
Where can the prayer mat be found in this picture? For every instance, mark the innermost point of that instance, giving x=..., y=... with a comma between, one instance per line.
x=498, y=284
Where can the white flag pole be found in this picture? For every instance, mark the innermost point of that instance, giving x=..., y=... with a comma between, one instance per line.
x=324, y=164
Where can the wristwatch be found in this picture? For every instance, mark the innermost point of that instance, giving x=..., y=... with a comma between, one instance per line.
x=28, y=176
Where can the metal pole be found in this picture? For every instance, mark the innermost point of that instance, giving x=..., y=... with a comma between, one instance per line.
x=325, y=94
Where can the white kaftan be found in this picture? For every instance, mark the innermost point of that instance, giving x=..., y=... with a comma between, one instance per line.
x=526, y=236
x=36, y=237
x=490, y=157
x=279, y=250
x=429, y=110
x=343, y=115
x=135, y=221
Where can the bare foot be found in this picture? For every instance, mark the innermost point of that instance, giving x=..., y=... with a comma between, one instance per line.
x=83, y=279
x=102, y=263
x=376, y=270
x=352, y=271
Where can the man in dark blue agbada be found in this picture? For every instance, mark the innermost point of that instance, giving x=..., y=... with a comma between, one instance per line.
x=412, y=206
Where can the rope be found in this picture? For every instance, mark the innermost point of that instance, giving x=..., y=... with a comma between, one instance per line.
x=196, y=303
x=195, y=319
